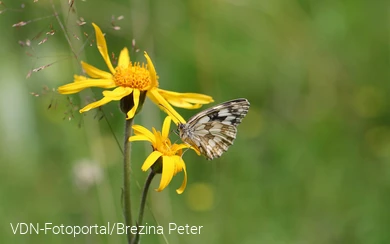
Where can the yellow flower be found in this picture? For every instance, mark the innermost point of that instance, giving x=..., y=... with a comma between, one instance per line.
x=129, y=78
x=170, y=154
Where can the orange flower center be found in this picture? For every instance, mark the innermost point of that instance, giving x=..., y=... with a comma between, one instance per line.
x=135, y=76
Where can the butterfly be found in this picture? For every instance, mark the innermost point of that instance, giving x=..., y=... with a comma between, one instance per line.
x=213, y=130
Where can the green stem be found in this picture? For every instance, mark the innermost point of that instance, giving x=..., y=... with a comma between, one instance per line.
x=143, y=203
x=126, y=177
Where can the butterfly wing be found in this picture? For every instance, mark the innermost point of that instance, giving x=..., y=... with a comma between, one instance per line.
x=212, y=131
x=216, y=141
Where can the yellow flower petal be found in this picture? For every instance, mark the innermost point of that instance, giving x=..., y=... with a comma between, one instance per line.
x=181, y=164
x=182, y=104
x=102, y=46
x=194, y=98
x=140, y=138
x=118, y=93
x=96, y=104
x=156, y=133
x=152, y=70
x=159, y=100
x=136, y=94
x=167, y=172
x=124, y=58
x=151, y=160
x=166, y=126
x=79, y=78
x=95, y=72
x=142, y=131
x=196, y=150
x=78, y=86
x=177, y=147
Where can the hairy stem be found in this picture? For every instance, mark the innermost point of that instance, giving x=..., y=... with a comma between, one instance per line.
x=143, y=203
x=126, y=177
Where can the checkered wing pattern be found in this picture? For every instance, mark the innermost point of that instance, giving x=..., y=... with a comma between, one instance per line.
x=213, y=130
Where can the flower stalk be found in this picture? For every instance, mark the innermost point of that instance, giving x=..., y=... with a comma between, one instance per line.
x=126, y=177
x=143, y=203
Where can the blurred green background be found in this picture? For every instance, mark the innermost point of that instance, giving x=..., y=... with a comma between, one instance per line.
x=311, y=160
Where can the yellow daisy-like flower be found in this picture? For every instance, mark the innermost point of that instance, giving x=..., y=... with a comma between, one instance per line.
x=170, y=154
x=129, y=78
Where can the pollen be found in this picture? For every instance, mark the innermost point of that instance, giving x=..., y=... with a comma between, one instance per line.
x=135, y=76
